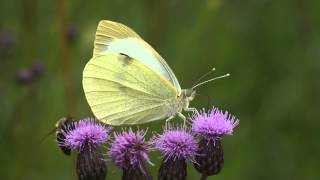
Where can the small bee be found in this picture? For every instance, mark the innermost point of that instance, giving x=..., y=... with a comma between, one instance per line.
x=63, y=125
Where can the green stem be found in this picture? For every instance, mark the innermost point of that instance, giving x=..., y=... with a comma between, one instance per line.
x=203, y=177
x=64, y=58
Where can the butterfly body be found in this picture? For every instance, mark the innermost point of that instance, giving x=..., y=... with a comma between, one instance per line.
x=127, y=82
x=180, y=103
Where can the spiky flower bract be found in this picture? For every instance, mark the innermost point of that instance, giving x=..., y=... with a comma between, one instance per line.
x=173, y=169
x=91, y=164
x=176, y=145
x=129, y=151
x=86, y=131
x=214, y=123
x=210, y=160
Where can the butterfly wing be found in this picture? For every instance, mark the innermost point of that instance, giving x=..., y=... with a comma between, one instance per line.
x=121, y=90
x=117, y=38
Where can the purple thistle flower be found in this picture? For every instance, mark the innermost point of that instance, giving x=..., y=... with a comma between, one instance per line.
x=214, y=123
x=86, y=131
x=86, y=137
x=177, y=146
x=129, y=152
x=210, y=127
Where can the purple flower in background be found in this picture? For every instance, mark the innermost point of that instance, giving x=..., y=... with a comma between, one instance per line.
x=210, y=127
x=176, y=145
x=86, y=131
x=37, y=69
x=214, y=123
x=8, y=42
x=24, y=76
x=129, y=152
x=86, y=137
x=28, y=75
x=72, y=33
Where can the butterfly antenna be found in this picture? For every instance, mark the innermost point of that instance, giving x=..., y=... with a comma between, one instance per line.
x=204, y=82
x=203, y=76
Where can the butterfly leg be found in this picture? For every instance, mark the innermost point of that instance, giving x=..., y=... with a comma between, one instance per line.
x=183, y=118
x=167, y=121
x=191, y=109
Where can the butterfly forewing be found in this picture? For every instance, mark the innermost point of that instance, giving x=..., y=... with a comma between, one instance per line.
x=113, y=37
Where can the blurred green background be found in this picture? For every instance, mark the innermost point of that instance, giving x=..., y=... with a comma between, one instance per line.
x=270, y=47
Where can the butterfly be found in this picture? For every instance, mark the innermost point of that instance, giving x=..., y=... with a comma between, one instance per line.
x=127, y=82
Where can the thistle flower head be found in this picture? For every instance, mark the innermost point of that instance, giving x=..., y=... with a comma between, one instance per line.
x=176, y=143
x=129, y=149
x=214, y=123
x=86, y=131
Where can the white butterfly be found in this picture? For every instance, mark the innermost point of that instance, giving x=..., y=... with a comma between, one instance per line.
x=128, y=82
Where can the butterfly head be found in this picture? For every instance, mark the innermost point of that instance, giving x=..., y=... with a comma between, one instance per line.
x=190, y=94
x=186, y=96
